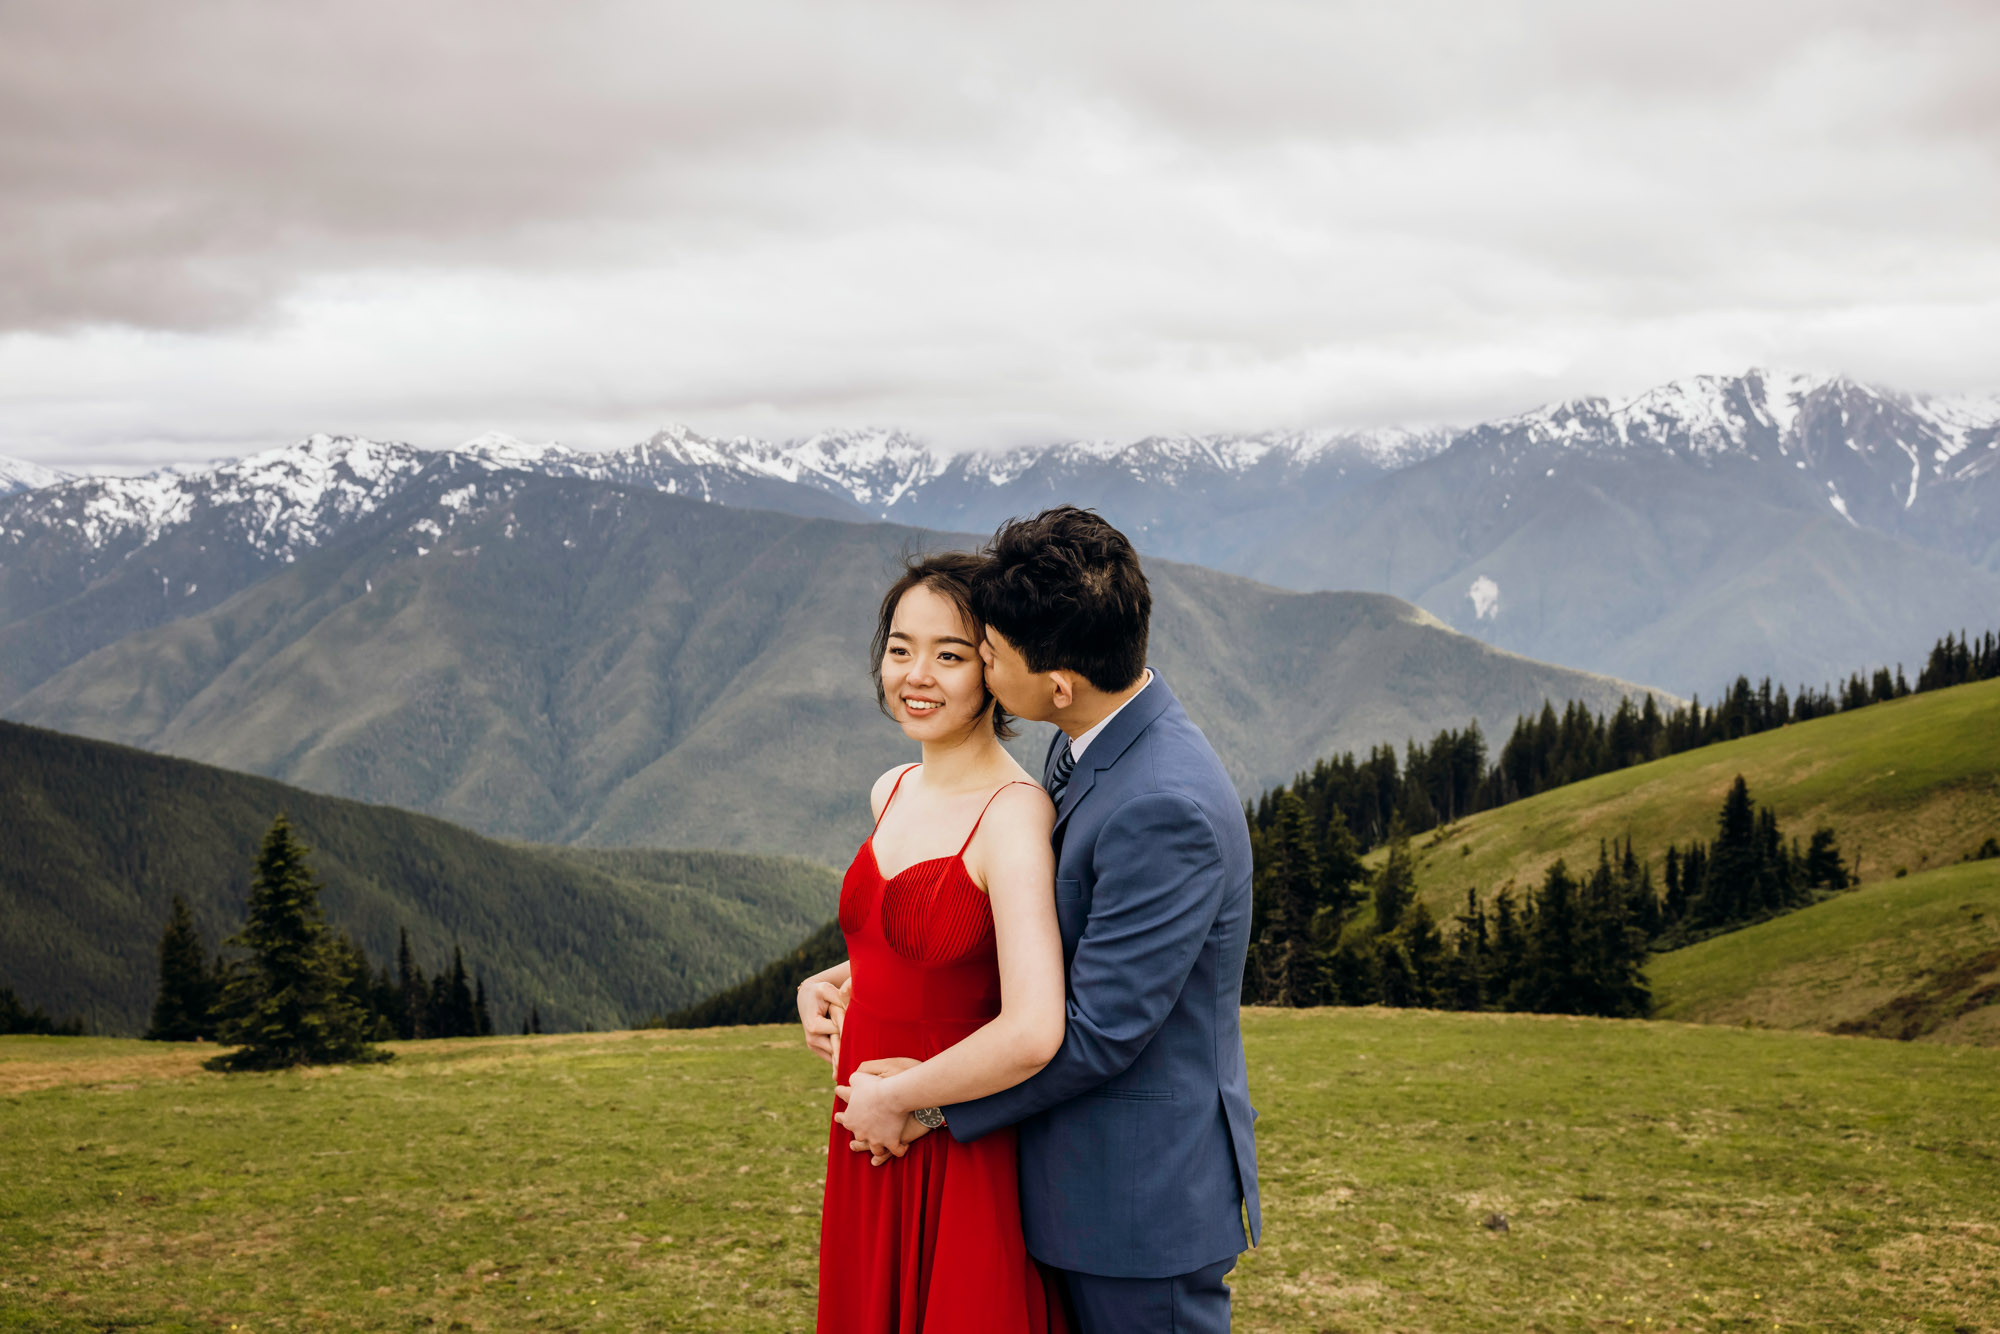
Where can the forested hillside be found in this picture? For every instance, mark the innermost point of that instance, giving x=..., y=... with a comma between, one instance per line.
x=98, y=839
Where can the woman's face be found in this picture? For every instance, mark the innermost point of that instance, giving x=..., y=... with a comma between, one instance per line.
x=932, y=678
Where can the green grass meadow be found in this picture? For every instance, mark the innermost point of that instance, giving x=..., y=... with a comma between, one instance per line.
x=1655, y=1176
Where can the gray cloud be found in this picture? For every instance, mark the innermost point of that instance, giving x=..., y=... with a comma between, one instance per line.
x=228, y=223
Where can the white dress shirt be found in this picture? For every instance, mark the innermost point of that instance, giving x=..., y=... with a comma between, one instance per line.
x=1077, y=745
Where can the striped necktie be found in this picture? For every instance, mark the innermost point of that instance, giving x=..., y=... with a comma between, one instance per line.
x=1065, y=766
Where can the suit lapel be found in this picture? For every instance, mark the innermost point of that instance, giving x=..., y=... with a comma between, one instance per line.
x=1111, y=743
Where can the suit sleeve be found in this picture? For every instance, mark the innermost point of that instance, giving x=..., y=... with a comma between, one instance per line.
x=1159, y=886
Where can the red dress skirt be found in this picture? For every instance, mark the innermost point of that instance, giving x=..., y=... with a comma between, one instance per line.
x=931, y=1241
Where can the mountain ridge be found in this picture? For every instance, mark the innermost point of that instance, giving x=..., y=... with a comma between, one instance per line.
x=1802, y=522
x=575, y=661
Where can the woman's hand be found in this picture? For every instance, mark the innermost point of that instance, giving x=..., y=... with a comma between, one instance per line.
x=884, y=1066
x=822, y=1013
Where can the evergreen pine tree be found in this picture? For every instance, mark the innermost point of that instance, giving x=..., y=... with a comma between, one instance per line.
x=464, y=1020
x=1510, y=950
x=1396, y=882
x=1551, y=981
x=441, y=1021
x=1730, y=887
x=412, y=993
x=482, y=1018
x=187, y=989
x=1465, y=980
x=1288, y=963
x=290, y=1005
x=1424, y=954
x=1674, y=907
x=1824, y=868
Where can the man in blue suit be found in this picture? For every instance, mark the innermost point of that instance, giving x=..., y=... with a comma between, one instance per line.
x=1138, y=1166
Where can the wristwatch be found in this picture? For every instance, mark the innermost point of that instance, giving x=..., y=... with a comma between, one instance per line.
x=931, y=1118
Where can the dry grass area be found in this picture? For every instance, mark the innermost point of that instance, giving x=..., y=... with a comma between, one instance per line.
x=28, y=1063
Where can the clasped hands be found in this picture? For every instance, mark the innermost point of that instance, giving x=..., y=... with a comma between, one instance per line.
x=880, y=1123
x=881, y=1126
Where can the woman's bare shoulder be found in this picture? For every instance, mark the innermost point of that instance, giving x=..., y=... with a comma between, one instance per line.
x=886, y=784
x=1024, y=803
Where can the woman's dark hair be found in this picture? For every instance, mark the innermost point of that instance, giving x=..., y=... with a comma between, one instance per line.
x=949, y=575
x=1065, y=588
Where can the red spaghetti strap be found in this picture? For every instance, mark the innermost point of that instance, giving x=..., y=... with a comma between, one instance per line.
x=1018, y=782
x=908, y=769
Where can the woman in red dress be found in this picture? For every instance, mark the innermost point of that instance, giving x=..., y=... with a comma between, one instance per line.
x=954, y=957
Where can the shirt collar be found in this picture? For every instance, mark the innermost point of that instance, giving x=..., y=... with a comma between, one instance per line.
x=1079, y=744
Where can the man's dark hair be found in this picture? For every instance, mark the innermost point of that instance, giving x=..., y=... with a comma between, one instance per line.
x=1065, y=588
x=949, y=574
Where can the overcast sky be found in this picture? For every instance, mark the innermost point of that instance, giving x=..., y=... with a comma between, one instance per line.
x=228, y=225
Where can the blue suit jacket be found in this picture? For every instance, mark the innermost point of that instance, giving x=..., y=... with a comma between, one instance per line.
x=1137, y=1158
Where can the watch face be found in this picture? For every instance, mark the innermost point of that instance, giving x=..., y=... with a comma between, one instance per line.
x=929, y=1116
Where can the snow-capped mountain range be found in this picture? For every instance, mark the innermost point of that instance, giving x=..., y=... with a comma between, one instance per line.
x=1601, y=534
x=1869, y=449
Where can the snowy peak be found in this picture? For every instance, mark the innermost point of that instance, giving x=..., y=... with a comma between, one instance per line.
x=1791, y=412
x=877, y=467
x=21, y=475
x=505, y=451
x=282, y=501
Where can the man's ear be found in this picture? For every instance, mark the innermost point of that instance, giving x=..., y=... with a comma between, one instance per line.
x=1063, y=687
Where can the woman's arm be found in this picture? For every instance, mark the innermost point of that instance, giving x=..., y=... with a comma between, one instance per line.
x=821, y=998
x=1017, y=868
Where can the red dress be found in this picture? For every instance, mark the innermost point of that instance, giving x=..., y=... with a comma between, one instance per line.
x=931, y=1241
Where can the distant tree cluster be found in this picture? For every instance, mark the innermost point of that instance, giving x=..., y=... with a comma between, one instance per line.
x=18, y=1018
x=1746, y=874
x=1569, y=945
x=293, y=992
x=1451, y=777
x=451, y=1004
x=1960, y=661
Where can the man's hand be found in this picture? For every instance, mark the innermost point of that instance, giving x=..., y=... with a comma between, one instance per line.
x=913, y=1130
x=872, y=1114
x=822, y=1010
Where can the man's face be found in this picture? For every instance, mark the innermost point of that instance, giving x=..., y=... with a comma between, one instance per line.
x=1023, y=693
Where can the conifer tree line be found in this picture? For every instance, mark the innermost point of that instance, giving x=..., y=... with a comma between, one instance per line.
x=1451, y=777
x=286, y=990
x=16, y=1017
x=1568, y=945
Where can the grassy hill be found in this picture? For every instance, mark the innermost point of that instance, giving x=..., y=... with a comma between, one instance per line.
x=96, y=839
x=1910, y=784
x=1911, y=958
x=1652, y=1176
x=577, y=662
